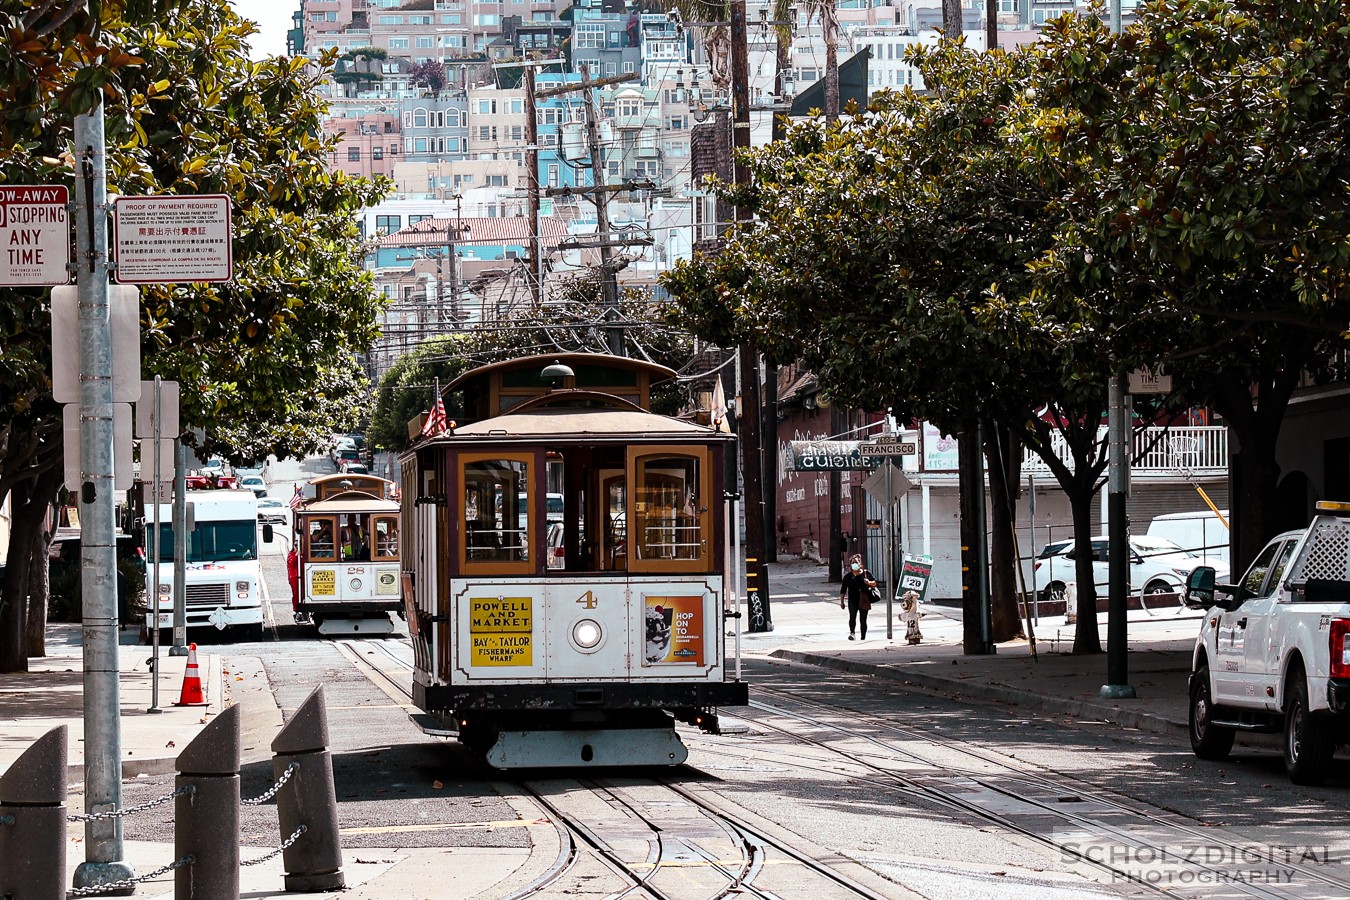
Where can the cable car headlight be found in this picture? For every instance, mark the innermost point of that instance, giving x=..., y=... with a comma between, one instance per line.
x=587, y=633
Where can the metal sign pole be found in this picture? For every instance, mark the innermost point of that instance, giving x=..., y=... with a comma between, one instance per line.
x=154, y=592
x=890, y=554
x=104, y=849
x=179, y=520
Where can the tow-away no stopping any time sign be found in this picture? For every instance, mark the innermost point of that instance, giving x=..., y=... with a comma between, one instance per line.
x=34, y=234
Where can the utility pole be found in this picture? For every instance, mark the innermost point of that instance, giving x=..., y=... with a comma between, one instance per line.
x=751, y=433
x=608, y=276
x=1117, y=527
x=104, y=852
x=532, y=168
x=608, y=273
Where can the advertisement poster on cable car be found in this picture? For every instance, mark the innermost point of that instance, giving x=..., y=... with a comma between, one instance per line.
x=673, y=632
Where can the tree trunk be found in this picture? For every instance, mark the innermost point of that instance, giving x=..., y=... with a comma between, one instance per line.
x=39, y=585
x=952, y=25
x=974, y=573
x=829, y=21
x=1004, y=457
x=26, y=527
x=1254, y=472
x=1086, y=636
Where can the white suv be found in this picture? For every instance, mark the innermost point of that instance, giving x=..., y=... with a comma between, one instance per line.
x=1157, y=567
x=1273, y=653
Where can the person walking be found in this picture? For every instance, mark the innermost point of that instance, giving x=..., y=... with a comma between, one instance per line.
x=855, y=589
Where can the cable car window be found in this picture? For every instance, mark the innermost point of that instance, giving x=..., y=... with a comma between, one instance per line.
x=496, y=523
x=386, y=537
x=669, y=512
x=321, y=543
x=355, y=538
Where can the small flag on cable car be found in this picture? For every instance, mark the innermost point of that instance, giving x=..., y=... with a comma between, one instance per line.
x=435, y=424
x=298, y=498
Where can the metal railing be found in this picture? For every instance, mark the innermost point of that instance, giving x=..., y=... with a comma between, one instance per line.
x=1179, y=449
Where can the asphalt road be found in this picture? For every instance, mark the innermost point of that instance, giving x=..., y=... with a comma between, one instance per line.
x=923, y=795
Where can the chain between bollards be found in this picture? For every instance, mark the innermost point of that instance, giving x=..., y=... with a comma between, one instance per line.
x=281, y=849
x=129, y=810
x=272, y=791
x=129, y=882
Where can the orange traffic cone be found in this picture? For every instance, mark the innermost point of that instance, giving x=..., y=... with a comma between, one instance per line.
x=192, y=682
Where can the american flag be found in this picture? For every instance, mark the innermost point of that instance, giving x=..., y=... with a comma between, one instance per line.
x=298, y=498
x=435, y=423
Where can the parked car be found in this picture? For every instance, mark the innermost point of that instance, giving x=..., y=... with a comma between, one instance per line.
x=255, y=484
x=1203, y=531
x=214, y=468
x=1157, y=567
x=355, y=468
x=272, y=511
x=1273, y=652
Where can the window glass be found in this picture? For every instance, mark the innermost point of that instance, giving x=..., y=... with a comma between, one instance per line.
x=495, y=526
x=666, y=506
x=355, y=537
x=321, y=544
x=1256, y=575
x=386, y=537
x=1281, y=563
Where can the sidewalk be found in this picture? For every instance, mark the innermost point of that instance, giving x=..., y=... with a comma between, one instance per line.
x=809, y=628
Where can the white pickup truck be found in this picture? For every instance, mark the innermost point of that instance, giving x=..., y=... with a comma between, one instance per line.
x=1273, y=654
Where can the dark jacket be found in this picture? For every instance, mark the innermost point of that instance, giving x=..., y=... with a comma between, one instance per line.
x=853, y=585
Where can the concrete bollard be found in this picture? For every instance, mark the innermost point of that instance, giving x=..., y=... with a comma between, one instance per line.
x=314, y=861
x=206, y=819
x=1071, y=603
x=33, y=821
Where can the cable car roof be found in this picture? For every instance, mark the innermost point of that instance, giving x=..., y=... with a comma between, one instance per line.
x=352, y=501
x=562, y=422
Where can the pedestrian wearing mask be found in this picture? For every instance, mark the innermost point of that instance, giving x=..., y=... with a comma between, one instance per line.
x=855, y=590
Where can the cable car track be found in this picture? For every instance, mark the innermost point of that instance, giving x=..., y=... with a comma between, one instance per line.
x=945, y=790
x=752, y=844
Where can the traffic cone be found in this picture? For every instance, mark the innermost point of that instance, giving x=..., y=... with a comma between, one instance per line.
x=191, y=694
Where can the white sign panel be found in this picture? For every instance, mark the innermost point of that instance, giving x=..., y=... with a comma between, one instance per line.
x=123, y=473
x=145, y=410
x=939, y=450
x=162, y=240
x=124, y=319
x=34, y=234
x=1150, y=381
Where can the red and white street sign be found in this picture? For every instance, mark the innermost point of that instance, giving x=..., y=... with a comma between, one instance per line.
x=34, y=234
x=162, y=240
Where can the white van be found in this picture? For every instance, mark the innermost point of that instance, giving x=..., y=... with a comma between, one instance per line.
x=223, y=580
x=1201, y=532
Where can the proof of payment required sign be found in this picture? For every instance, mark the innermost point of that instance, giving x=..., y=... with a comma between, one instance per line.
x=34, y=234
x=165, y=240
x=501, y=630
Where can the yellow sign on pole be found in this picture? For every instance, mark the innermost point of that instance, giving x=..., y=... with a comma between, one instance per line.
x=501, y=629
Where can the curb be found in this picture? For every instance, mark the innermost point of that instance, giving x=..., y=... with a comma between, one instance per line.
x=995, y=693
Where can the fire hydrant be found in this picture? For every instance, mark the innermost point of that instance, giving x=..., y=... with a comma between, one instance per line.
x=909, y=614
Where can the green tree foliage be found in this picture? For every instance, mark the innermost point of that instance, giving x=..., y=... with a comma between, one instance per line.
x=1048, y=217
x=573, y=324
x=878, y=246
x=270, y=354
x=1217, y=224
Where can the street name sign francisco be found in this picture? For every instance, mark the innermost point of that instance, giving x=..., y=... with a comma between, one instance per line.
x=34, y=234
x=887, y=447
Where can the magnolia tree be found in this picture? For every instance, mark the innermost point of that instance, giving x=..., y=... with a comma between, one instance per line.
x=270, y=355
